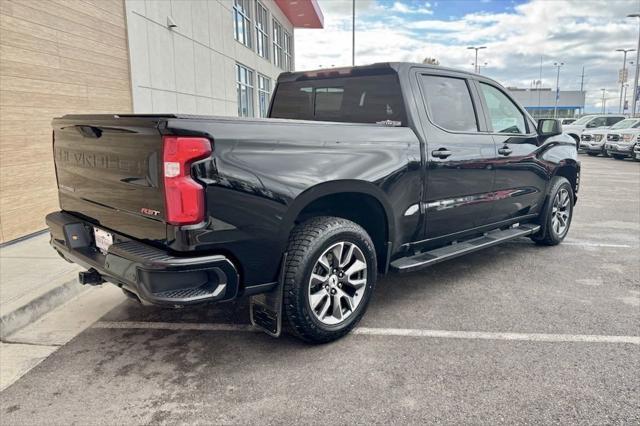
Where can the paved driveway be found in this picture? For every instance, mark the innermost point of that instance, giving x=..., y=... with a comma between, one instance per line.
x=517, y=333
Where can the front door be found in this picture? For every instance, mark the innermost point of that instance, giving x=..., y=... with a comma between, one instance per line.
x=520, y=177
x=459, y=175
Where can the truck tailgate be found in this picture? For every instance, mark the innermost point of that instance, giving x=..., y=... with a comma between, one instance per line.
x=109, y=172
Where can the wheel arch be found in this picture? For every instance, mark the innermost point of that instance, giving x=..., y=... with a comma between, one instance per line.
x=570, y=169
x=358, y=201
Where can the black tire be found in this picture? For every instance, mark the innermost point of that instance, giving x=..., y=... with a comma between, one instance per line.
x=593, y=154
x=547, y=235
x=618, y=156
x=307, y=243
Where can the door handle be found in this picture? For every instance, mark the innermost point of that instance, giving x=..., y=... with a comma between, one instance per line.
x=505, y=150
x=441, y=153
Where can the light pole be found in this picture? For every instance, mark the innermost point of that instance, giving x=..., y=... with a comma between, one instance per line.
x=635, y=80
x=603, y=99
x=555, y=106
x=476, y=61
x=624, y=69
x=624, y=97
x=353, y=33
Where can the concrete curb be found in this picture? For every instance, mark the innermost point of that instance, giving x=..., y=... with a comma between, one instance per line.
x=36, y=308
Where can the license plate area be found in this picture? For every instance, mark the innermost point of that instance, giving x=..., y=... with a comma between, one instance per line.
x=103, y=239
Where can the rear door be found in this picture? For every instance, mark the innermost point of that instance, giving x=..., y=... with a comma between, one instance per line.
x=520, y=179
x=109, y=172
x=459, y=176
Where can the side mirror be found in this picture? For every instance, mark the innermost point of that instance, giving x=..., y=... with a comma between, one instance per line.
x=592, y=125
x=549, y=127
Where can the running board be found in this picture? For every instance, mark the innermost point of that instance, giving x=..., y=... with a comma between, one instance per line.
x=428, y=258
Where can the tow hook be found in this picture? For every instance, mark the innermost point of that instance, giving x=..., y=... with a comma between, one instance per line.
x=90, y=277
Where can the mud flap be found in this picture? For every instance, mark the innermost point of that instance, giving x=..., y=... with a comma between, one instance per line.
x=265, y=309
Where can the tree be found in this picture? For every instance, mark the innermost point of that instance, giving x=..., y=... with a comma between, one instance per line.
x=431, y=61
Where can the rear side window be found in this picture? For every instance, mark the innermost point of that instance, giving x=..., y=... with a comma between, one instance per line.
x=613, y=120
x=505, y=115
x=449, y=103
x=353, y=99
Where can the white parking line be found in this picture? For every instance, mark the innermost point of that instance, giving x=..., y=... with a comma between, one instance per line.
x=576, y=243
x=400, y=332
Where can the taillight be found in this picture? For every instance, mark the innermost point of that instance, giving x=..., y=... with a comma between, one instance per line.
x=184, y=197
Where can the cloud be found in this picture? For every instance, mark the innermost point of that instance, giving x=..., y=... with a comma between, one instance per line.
x=576, y=32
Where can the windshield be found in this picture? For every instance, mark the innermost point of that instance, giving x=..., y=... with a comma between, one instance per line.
x=625, y=124
x=583, y=120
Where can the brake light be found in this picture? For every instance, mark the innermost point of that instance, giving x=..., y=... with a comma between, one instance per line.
x=184, y=197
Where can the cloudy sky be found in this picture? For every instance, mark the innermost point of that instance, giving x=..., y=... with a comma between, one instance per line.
x=517, y=35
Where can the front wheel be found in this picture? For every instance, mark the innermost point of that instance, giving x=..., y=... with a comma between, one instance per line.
x=330, y=274
x=557, y=213
x=593, y=154
x=618, y=156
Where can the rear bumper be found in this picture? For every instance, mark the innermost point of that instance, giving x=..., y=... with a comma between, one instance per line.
x=154, y=275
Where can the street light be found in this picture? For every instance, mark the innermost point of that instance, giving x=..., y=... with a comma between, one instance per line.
x=624, y=69
x=555, y=106
x=635, y=80
x=603, y=99
x=476, y=61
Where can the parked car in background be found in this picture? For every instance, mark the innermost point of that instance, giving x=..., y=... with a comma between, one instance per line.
x=593, y=141
x=636, y=149
x=576, y=128
x=621, y=143
x=565, y=121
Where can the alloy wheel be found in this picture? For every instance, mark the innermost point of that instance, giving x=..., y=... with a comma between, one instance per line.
x=338, y=282
x=561, y=212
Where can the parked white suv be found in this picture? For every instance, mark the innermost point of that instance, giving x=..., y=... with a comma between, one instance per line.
x=621, y=143
x=576, y=128
x=593, y=141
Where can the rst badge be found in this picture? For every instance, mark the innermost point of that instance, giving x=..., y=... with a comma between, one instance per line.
x=149, y=212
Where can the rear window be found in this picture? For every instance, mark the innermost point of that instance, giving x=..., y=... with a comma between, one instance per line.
x=355, y=99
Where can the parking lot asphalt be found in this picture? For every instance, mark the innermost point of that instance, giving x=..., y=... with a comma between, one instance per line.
x=513, y=334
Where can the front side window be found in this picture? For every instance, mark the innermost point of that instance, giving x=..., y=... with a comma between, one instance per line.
x=264, y=93
x=242, y=21
x=244, y=88
x=281, y=47
x=449, y=103
x=262, y=31
x=504, y=114
x=597, y=122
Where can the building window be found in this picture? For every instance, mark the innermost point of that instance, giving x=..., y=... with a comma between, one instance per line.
x=281, y=47
x=244, y=87
x=242, y=21
x=262, y=31
x=264, y=93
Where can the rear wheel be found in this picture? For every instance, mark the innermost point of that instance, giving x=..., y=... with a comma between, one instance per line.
x=329, y=277
x=557, y=214
x=593, y=154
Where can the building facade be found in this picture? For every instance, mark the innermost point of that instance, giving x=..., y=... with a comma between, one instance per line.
x=540, y=102
x=210, y=57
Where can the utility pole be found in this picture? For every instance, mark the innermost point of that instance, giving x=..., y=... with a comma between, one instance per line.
x=353, y=33
x=622, y=76
x=635, y=80
x=539, y=81
x=476, y=61
x=603, y=99
x=581, y=90
x=555, y=106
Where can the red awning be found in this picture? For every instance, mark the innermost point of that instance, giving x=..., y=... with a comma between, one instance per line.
x=302, y=13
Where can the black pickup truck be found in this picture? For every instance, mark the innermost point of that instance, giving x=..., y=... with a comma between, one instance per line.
x=357, y=172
